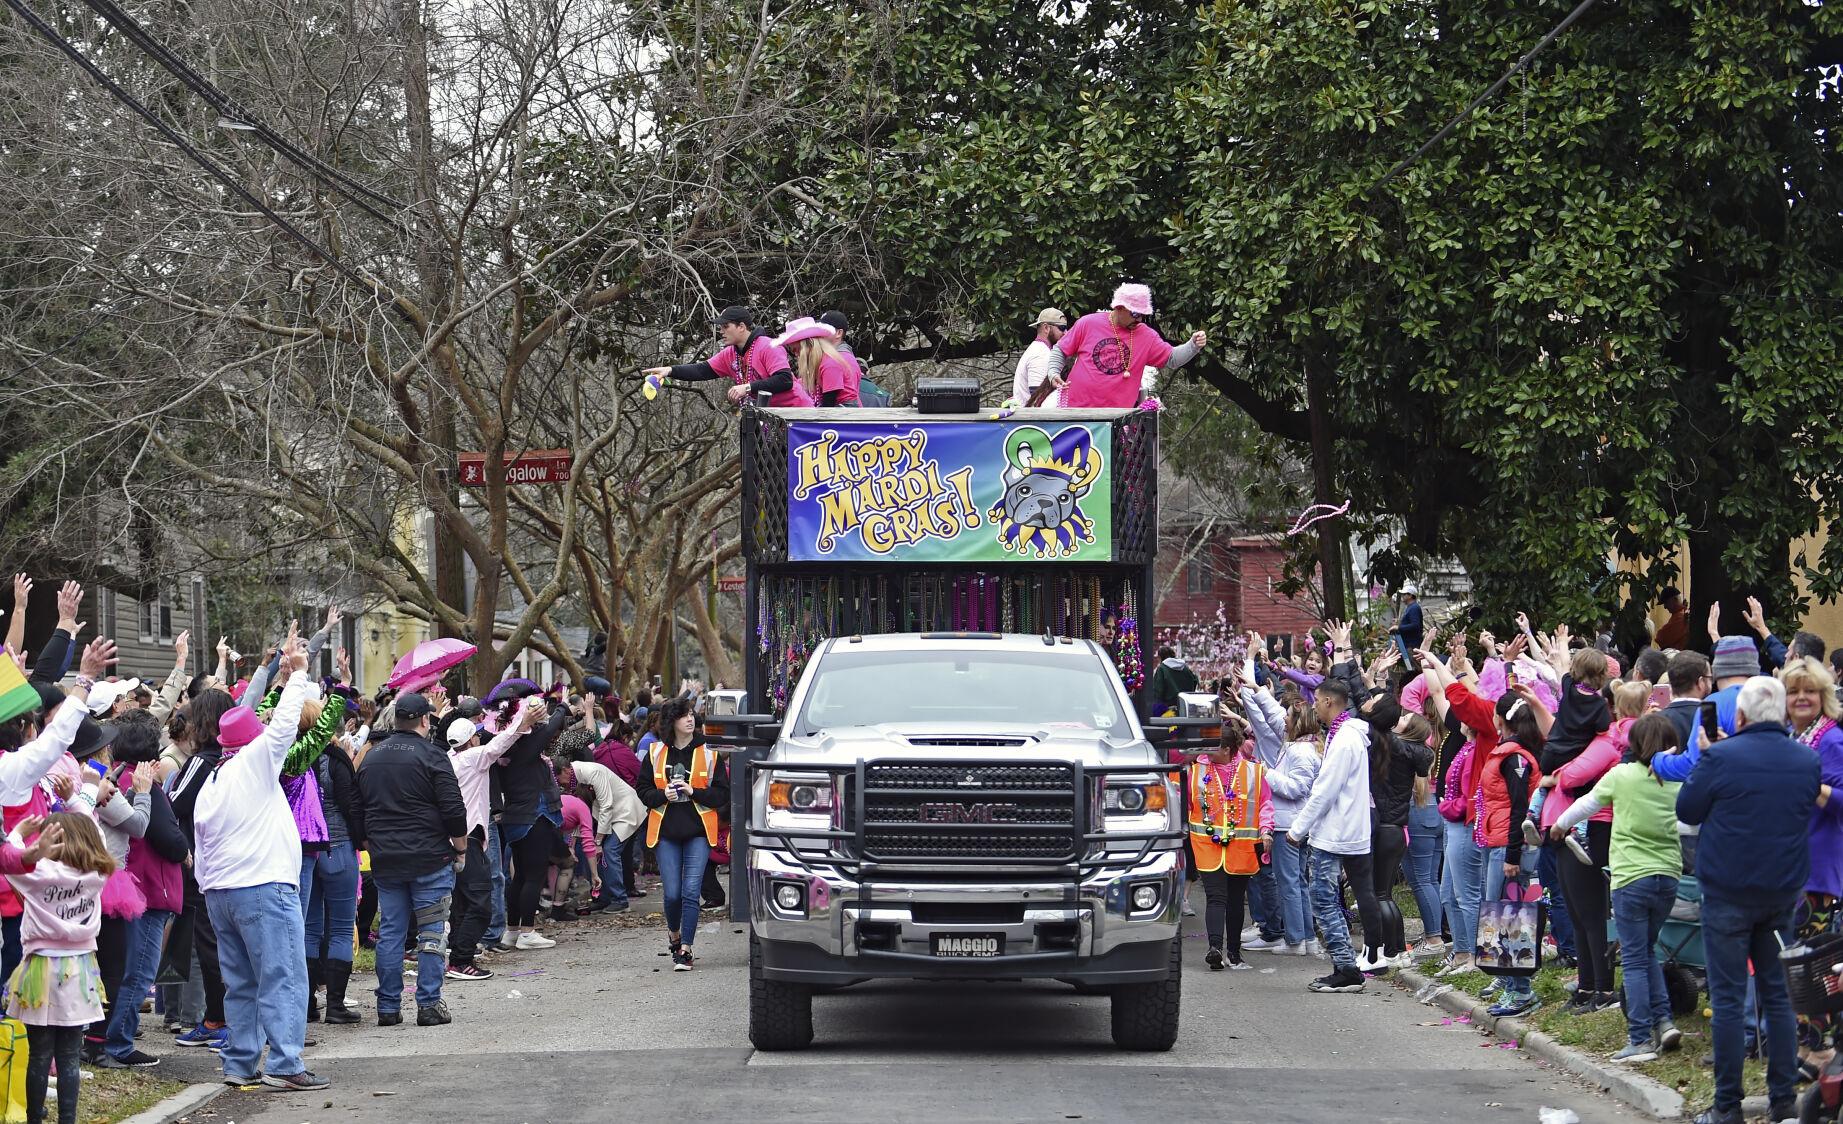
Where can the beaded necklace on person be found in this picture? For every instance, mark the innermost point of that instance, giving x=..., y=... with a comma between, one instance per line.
x=1235, y=802
x=1126, y=349
x=1816, y=731
x=1336, y=725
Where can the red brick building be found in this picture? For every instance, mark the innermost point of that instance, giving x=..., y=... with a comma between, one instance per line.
x=1240, y=574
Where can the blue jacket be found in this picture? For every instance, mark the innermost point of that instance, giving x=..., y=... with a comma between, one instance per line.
x=1686, y=716
x=1753, y=794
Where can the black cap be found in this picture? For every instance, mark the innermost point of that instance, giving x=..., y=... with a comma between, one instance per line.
x=834, y=319
x=469, y=707
x=49, y=695
x=412, y=705
x=736, y=314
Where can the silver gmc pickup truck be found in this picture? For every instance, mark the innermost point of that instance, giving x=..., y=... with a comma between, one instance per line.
x=963, y=806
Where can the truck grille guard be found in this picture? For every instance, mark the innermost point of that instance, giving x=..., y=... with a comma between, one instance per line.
x=857, y=846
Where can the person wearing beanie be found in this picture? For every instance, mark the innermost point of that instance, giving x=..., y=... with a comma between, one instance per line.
x=1106, y=353
x=1737, y=659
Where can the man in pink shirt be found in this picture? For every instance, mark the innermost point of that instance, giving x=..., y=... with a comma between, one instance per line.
x=1106, y=353
x=749, y=359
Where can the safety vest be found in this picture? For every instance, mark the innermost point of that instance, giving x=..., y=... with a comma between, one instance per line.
x=703, y=764
x=1217, y=841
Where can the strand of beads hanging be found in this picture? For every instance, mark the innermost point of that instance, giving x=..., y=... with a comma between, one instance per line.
x=1132, y=667
x=1234, y=803
x=1336, y=725
x=1816, y=731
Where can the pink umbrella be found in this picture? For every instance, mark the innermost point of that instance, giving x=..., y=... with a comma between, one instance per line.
x=424, y=663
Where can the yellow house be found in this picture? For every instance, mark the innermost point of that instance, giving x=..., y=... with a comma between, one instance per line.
x=386, y=632
x=1823, y=618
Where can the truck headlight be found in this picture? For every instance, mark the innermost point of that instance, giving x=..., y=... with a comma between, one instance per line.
x=1133, y=799
x=790, y=897
x=1145, y=897
x=807, y=795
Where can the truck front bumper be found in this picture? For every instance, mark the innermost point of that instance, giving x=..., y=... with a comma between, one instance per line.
x=1085, y=932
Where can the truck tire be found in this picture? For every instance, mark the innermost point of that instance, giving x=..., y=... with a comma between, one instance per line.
x=1145, y=1016
x=780, y=1014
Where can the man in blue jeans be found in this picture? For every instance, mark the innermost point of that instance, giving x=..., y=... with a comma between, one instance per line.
x=416, y=832
x=1753, y=795
x=247, y=856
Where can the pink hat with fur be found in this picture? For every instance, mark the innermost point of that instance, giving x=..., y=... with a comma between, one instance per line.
x=1133, y=298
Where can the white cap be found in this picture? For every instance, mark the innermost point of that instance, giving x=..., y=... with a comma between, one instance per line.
x=460, y=732
x=104, y=695
x=1410, y=589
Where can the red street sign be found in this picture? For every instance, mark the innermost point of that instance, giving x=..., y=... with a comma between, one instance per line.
x=730, y=585
x=534, y=466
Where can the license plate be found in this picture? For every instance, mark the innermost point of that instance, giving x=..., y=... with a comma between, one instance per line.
x=969, y=946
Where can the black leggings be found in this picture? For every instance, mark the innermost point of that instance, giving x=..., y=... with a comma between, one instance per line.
x=1360, y=872
x=1226, y=895
x=530, y=864
x=66, y=1042
x=1584, y=889
x=1388, y=843
x=112, y=962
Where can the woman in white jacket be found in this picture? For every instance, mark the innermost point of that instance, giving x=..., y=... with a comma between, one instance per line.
x=1336, y=819
x=1285, y=742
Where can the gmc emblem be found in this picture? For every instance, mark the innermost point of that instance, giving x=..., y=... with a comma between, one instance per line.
x=968, y=813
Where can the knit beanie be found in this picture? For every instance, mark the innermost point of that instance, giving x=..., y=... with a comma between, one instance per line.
x=1735, y=656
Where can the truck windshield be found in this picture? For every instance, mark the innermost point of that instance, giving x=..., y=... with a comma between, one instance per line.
x=1069, y=688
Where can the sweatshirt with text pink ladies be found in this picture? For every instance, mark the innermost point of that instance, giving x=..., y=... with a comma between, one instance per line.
x=63, y=907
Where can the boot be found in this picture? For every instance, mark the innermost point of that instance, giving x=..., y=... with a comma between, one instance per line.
x=338, y=974
x=315, y=969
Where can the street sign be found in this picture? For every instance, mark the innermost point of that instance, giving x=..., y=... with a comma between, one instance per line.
x=730, y=585
x=533, y=466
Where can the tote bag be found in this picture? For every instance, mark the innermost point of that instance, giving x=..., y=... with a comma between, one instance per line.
x=1510, y=933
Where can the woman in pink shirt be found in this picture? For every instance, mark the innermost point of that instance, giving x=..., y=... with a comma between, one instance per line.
x=828, y=374
x=579, y=833
x=1106, y=353
x=749, y=359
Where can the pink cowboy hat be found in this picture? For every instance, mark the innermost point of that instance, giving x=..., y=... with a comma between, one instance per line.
x=238, y=727
x=804, y=328
x=1133, y=298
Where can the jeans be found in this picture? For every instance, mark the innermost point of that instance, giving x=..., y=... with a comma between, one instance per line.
x=1734, y=931
x=421, y=901
x=1426, y=831
x=1639, y=913
x=1561, y=922
x=262, y=954
x=146, y=934
x=614, y=882
x=332, y=903
x=1462, y=886
x=1514, y=986
x=1264, y=901
x=1328, y=908
x=681, y=878
x=496, y=866
x=1289, y=876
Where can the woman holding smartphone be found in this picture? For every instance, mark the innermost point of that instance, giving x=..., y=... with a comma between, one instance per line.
x=683, y=785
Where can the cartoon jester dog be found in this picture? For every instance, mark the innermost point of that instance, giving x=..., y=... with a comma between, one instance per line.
x=1045, y=480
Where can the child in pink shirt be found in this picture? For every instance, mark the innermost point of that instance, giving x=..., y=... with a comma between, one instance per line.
x=579, y=833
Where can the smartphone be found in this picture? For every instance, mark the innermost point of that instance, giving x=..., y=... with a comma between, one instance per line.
x=1711, y=722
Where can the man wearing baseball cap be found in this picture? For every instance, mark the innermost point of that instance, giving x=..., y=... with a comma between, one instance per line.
x=1106, y=353
x=1033, y=365
x=749, y=359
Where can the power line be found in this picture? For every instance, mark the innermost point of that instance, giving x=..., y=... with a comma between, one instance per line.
x=357, y=192
x=51, y=36
x=1579, y=11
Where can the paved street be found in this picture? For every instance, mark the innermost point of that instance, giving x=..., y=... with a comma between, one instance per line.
x=601, y=1030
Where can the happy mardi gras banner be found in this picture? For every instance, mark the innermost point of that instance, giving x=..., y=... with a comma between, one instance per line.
x=949, y=492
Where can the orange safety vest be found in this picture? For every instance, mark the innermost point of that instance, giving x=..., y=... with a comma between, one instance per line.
x=703, y=764
x=1218, y=843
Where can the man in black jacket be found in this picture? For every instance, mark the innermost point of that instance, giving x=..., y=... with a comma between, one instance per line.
x=416, y=832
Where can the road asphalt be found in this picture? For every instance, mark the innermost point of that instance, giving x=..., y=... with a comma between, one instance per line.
x=599, y=1028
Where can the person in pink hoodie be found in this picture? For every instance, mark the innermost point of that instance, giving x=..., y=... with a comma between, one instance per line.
x=57, y=989
x=1581, y=864
x=579, y=833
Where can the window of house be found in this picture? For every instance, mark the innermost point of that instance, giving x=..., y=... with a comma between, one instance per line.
x=157, y=617
x=1196, y=575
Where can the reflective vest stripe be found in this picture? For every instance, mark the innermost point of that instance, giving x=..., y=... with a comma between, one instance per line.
x=703, y=764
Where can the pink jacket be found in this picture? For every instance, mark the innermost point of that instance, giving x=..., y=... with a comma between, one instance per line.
x=1601, y=754
x=579, y=827
x=63, y=908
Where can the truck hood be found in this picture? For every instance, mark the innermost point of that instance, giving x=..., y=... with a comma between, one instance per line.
x=967, y=739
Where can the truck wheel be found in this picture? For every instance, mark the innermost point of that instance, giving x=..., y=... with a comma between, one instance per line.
x=780, y=1014
x=1145, y=1016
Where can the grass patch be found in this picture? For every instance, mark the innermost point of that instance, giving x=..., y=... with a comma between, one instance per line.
x=1602, y=1034
x=117, y=1094
x=364, y=960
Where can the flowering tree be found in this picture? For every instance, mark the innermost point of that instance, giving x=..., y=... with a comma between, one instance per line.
x=1212, y=648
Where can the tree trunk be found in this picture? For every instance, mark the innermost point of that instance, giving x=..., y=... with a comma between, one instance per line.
x=710, y=642
x=1331, y=568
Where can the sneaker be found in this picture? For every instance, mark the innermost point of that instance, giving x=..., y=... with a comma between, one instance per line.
x=1262, y=944
x=1372, y=960
x=302, y=1082
x=1252, y=932
x=1579, y=852
x=1636, y=1052
x=1316, y=947
x=1303, y=948
x=1189, y=910
x=1667, y=1035
x=503, y=945
x=1601, y=1000
x=1240, y=966
x=1514, y=1006
x=436, y=1014
x=1491, y=989
x=533, y=939
x=136, y=1059
x=241, y=1082
x=468, y=972
x=1717, y=1116
x=1532, y=835
x=636, y=893
x=1782, y=1111
x=618, y=907
x=202, y=1035
x=1214, y=959
x=390, y=1018
x=1340, y=979
x=681, y=960
x=1457, y=965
